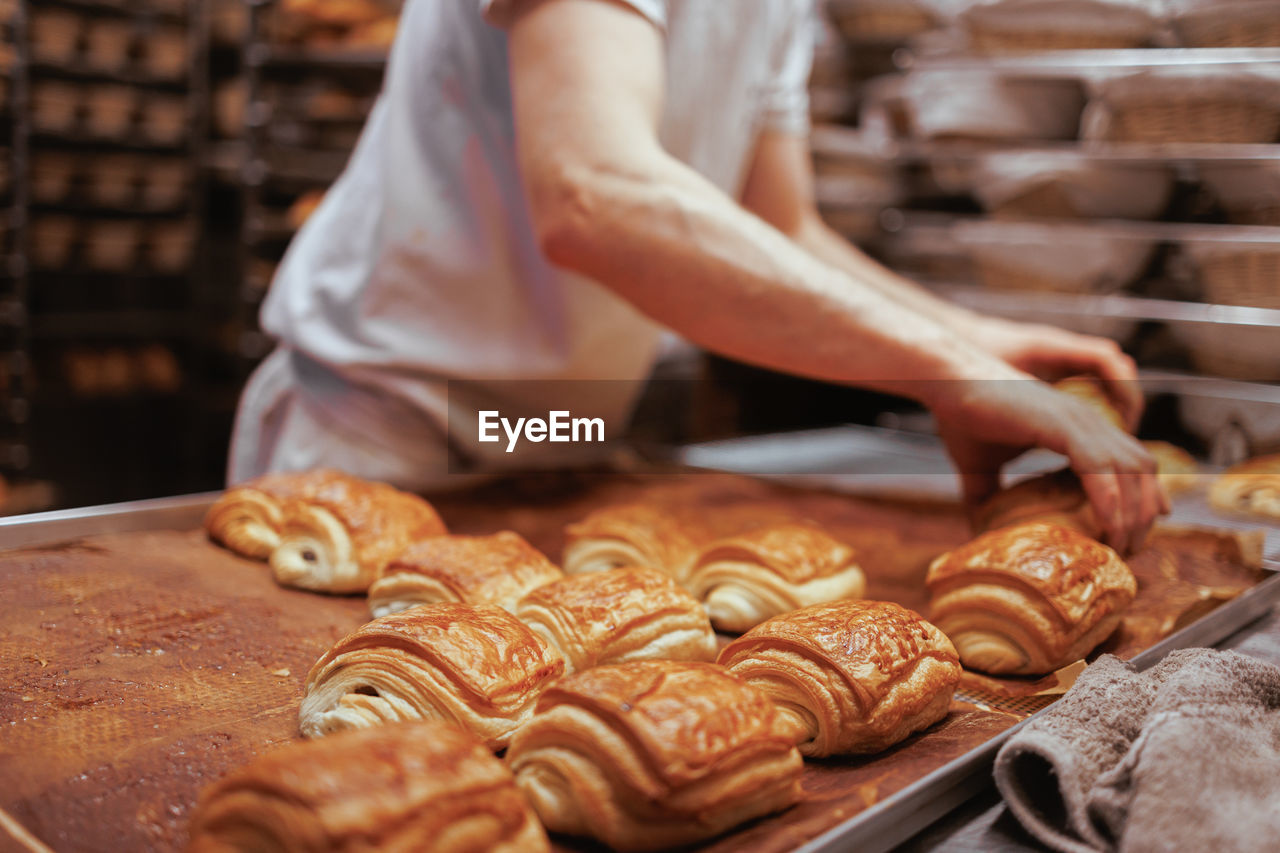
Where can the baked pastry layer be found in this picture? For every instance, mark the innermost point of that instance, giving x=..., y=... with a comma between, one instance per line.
x=412, y=786
x=1251, y=487
x=321, y=530
x=653, y=754
x=1091, y=391
x=1028, y=599
x=1176, y=469
x=497, y=569
x=1057, y=498
x=618, y=615
x=631, y=535
x=855, y=676
x=745, y=579
x=477, y=666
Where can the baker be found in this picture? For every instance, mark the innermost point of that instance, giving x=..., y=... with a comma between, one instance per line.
x=544, y=186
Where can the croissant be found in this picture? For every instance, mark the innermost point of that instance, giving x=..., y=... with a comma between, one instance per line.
x=496, y=569
x=477, y=666
x=1028, y=599
x=745, y=579
x=618, y=615
x=630, y=535
x=652, y=754
x=1058, y=498
x=320, y=530
x=412, y=786
x=855, y=676
x=1093, y=392
x=1176, y=469
x=1251, y=487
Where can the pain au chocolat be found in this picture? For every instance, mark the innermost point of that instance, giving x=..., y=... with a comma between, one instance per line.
x=619, y=615
x=410, y=786
x=1028, y=599
x=1057, y=498
x=1092, y=391
x=854, y=676
x=631, y=535
x=654, y=754
x=477, y=666
x=497, y=569
x=1251, y=487
x=321, y=530
x=743, y=580
x=1176, y=469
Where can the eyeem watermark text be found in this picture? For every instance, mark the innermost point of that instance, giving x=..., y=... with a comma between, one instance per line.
x=559, y=426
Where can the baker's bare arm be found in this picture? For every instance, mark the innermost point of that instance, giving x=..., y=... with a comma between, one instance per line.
x=608, y=202
x=780, y=189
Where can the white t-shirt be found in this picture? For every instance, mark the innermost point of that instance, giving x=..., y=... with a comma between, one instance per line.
x=421, y=266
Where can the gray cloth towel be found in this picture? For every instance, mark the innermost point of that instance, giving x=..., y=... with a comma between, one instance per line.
x=1184, y=756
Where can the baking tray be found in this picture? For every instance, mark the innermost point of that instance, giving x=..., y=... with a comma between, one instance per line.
x=879, y=827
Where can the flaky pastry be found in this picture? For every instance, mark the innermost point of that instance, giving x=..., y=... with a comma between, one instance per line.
x=1250, y=487
x=410, y=786
x=1176, y=469
x=855, y=676
x=653, y=754
x=1093, y=392
x=1028, y=599
x=497, y=569
x=745, y=579
x=630, y=535
x=321, y=530
x=1056, y=498
x=477, y=666
x=619, y=615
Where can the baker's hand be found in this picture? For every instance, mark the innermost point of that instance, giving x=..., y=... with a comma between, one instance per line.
x=1051, y=353
x=986, y=423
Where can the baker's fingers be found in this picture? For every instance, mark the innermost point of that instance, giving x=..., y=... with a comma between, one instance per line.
x=1103, y=490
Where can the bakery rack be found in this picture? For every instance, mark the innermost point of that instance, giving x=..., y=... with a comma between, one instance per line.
x=306, y=103
x=110, y=125
x=15, y=374
x=1163, y=316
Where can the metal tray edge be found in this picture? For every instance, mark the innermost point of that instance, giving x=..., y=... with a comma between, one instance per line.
x=908, y=812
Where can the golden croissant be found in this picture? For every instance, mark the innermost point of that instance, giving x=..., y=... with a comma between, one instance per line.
x=410, y=786
x=477, y=666
x=854, y=676
x=321, y=530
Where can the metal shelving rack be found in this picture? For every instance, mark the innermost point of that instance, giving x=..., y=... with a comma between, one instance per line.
x=134, y=174
x=15, y=456
x=920, y=234
x=289, y=152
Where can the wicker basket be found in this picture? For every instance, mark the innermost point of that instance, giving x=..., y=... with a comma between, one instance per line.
x=983, y=105
x=52, y=177
x=1185, y=104
x=1017, y=185
x=1232, y=352
x=112, y=246
x=53, y=239
x=108, y=43
x=1249, y=192
x=1009, y=257
x=1022, y=26
x=1252, y=23
x=1191, y=119
x=998, y=41
x=1046, y=200
x=55, y=35
x=171, y=246
x=166, y=53
x=1244, y=276
x=860, y=21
